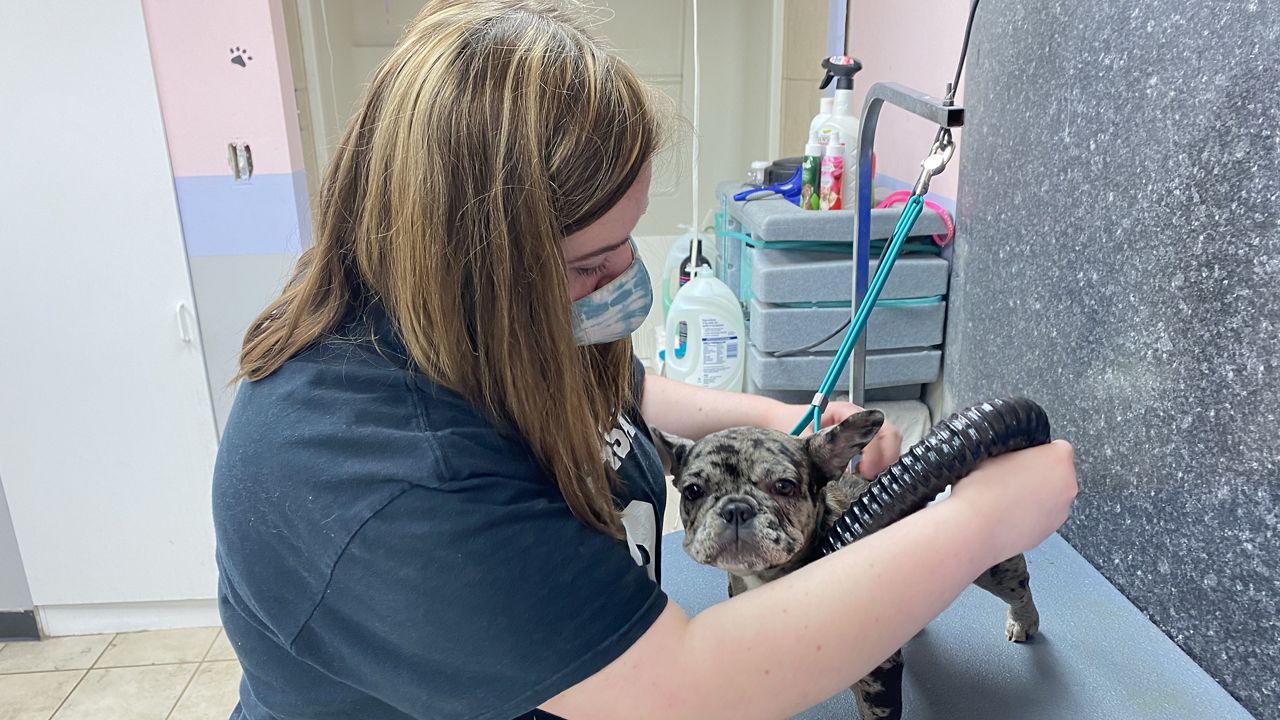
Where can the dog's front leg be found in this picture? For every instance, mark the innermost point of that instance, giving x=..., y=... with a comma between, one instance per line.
x=1010, y=582
x=879, y=695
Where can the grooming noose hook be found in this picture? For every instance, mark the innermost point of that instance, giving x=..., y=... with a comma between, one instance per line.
x=939, y=155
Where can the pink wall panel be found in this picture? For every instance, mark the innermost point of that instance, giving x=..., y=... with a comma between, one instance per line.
x=208, y=100
x=916, y=43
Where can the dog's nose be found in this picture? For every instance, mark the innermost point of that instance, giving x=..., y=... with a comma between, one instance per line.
x=737, y=512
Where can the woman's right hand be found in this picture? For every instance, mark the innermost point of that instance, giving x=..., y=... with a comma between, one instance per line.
x=1022, y=497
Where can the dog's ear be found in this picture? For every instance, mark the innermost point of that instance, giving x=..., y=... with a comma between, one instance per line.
x=672, y=450
x=833, y=448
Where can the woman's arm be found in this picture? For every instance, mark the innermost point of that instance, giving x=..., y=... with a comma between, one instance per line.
x=694, y=412
x=784, y=647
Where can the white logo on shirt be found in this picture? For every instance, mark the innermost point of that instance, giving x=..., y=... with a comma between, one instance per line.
x=617, y=444
x=642, y=534
x=638, y=517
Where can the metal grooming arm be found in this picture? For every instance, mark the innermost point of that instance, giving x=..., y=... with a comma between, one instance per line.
x=917, y=103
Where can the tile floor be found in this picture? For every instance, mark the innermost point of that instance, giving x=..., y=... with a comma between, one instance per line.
x=160, y=675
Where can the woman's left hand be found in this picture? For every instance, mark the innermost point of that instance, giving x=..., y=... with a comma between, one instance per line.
x=883, y=450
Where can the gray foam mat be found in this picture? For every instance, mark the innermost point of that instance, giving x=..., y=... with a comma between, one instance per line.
x=773, y=219
x=795, y=276
x=803, y=397
x=805, y=372
x=1097, y=656
x=774, y=328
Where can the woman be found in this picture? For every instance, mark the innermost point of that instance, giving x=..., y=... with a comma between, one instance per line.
x=436, y=497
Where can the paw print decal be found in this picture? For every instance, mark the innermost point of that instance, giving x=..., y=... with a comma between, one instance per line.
x=240, y=56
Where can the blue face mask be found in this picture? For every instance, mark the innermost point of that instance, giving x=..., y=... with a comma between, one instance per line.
x=617, y=309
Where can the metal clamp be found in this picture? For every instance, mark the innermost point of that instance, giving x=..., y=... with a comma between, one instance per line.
x=939, y=155
x=819, y=402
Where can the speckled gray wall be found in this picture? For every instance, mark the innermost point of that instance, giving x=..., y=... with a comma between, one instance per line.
x=1118, y=259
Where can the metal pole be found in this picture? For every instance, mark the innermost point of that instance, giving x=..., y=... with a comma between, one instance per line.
x=917, y=103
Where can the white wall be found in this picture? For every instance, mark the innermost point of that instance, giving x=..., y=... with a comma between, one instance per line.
x=14, y=593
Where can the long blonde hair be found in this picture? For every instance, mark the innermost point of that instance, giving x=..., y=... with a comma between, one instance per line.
x=493, y=130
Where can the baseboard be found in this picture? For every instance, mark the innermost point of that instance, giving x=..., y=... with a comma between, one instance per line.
x=58, y=620
x=19, y=625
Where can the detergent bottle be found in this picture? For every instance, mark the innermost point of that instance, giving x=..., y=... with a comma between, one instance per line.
x=706, y=335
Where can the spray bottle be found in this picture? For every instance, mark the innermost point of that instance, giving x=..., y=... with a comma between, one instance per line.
x=842, y=68
x=830, y=185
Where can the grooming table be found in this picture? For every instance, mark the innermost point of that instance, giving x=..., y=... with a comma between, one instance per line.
x=1096, y=657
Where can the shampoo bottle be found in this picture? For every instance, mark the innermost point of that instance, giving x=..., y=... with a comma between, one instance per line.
x=810, y=170
x=830, y=184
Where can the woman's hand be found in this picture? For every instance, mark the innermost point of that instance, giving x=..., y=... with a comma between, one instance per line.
x=880, y=454
x=883, y=450
x=1022, y=497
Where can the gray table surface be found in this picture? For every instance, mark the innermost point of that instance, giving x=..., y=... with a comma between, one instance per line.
x=1097, y=656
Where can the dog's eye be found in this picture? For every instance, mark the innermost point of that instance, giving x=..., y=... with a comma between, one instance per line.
x=786, y=488
x=693, y=492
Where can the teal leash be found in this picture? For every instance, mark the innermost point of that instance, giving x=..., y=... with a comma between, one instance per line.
x=910, y=213
x=941, y=152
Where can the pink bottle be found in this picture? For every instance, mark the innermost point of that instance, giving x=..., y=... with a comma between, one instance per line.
x=832, y=173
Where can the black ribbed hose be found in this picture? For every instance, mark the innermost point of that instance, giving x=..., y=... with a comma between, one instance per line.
x=951, y=450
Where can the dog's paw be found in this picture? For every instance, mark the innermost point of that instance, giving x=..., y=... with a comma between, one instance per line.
x=1021, y=626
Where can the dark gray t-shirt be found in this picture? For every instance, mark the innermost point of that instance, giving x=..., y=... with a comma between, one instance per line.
x=384, y=552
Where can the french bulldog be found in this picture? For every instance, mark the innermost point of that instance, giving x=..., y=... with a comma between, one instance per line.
x=756, y=503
